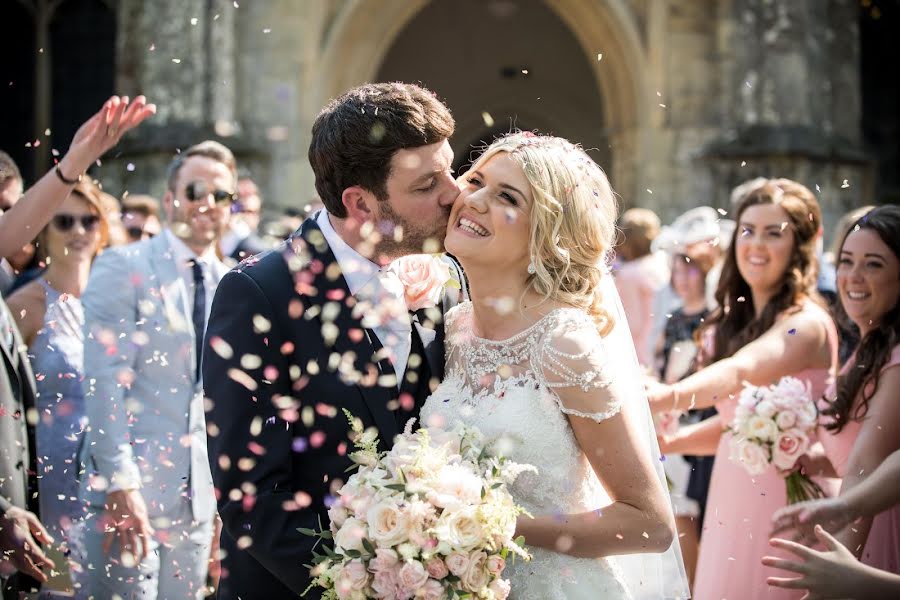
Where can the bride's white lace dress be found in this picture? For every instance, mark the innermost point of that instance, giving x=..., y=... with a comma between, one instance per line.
x=507, y=389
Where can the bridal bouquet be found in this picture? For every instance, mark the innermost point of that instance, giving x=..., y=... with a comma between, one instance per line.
x=772, y=426
x=430, y=519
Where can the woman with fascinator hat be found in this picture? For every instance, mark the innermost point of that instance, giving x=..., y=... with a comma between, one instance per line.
x=541, y=361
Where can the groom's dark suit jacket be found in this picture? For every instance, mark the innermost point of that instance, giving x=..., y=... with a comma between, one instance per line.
x=278, y=438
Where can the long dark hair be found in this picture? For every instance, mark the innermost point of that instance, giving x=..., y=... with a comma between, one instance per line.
x=875, y=348
x=735, y=320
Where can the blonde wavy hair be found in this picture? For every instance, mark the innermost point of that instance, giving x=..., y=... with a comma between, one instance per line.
x=573, y=220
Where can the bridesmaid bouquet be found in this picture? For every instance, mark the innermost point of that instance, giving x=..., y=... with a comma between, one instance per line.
x=773, y=425
x=430, y=519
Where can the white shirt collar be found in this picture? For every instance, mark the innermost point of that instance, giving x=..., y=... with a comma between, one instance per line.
x=356, y=268
x=183, y=255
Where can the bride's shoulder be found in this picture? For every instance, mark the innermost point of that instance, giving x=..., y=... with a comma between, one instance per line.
x=572, y=351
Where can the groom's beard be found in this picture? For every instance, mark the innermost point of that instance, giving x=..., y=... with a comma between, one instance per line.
x=417, y=238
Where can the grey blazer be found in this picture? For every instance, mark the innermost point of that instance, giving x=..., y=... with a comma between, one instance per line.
x=147, y=427
x=17, y=393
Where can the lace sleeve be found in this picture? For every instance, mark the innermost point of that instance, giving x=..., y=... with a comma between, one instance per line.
x=573, y=361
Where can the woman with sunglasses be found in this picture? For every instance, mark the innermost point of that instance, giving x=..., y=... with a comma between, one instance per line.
x=50, y=319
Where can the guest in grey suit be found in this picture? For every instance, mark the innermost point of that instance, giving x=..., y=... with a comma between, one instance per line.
x=147, y=484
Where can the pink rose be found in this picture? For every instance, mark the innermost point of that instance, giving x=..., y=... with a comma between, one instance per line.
x=423, y=276
x=789, y=446
x=476, y=576
x=501, y=589
x=412, y=576
x=436, y=568
x=352, y=579
x=457, y=563
x=385, y=583
x=495, y=565
x=385, y=559
x=749, y=455
x=432, y=590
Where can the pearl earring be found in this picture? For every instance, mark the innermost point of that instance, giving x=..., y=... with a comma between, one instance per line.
x=531, y=268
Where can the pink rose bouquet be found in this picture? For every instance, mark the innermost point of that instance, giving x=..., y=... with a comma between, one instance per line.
x=432, y=518
x=424, y=277
x=773, y=426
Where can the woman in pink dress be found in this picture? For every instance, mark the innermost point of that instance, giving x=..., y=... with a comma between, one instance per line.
x=769, y=325
x=861, y=413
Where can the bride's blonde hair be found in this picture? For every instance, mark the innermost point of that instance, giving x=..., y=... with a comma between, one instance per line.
x=572, y=219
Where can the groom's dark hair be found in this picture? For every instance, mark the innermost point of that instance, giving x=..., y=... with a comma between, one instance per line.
x=355, y=136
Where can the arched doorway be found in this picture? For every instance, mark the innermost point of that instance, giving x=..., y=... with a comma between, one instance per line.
x=482, y=59
x=362, y=44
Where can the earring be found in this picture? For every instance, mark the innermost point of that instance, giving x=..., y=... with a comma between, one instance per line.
x=531, y=268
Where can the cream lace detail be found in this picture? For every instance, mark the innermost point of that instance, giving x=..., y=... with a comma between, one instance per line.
x=513, y=391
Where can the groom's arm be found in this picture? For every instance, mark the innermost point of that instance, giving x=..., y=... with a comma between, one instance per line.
x=250, y=446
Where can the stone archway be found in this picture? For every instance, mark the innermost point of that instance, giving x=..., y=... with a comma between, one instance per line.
x=359, y=38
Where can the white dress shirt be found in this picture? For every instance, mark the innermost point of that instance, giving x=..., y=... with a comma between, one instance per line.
x=182, y=255
x=362, y=276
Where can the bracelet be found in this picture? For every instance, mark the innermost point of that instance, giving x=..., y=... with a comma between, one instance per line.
x=65, y=179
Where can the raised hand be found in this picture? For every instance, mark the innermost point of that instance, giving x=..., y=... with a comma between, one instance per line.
x=833, y=514
x=20, y=531
x=834, y=573
x=102, y=131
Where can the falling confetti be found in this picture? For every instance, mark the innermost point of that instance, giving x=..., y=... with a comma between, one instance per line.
x=487, y=118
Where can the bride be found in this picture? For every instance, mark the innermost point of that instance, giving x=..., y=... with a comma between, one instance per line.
x=541, y=362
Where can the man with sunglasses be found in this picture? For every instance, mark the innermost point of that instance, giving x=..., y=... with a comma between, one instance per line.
x=147, y=485
x=140, y=216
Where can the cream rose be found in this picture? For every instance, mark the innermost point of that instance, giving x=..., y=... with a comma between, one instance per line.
x=458, y=563
x=751, y=456
x=476, y=576
x=337, y=514
x=351, y=534
x=790, y=446
x=460, y=529
x=352, y=579
x=412, y=576
x=766, y=409
x=455, y=485
x=423, y=278
x=387, y=524
x=500, y=588
x=762, y=428
x=786, y=419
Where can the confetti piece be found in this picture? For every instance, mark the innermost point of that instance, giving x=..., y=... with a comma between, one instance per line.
x=599, y=56
x=487, y=118
x=176, y=60
x=792, y=331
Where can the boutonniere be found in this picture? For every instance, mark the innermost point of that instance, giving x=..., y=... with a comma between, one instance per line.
x=424, y=277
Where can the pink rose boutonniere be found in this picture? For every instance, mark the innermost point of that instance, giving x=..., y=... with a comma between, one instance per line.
x=424, y=277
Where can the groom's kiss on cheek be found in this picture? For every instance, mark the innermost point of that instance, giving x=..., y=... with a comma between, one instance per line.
x=420, y=193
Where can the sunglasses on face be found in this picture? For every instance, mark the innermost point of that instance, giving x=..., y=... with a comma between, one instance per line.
x=197, y=190
x=136, y=233
x=64, y=222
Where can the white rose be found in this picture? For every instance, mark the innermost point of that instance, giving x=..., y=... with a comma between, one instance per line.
x=766, y=409
x=455, y=485
x=459, y=528
x=337, y=514
x=421, y=516
x=350, y=535
x=387, y=524
x=351, y=580
x=750, y=455
x=762, y=428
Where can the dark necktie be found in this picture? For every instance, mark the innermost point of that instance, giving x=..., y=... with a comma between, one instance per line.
x=198, y=315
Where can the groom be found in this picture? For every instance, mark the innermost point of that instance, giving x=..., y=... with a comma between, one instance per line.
x=286, y=353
